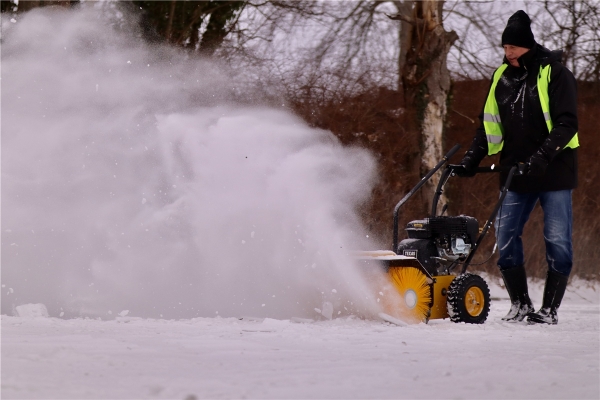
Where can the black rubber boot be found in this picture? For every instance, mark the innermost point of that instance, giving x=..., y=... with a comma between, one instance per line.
x=515, y=281
x=556, y=285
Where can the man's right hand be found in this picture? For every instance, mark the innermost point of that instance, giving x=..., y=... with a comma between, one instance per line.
x=466, y=168
x=460, y=170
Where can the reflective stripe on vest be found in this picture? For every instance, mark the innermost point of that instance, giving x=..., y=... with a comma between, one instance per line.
x=491, y=115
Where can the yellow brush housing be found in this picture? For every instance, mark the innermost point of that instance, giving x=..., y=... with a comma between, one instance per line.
x=439, y=309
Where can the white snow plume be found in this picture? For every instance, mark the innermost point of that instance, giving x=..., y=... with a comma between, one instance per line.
x=130, y=181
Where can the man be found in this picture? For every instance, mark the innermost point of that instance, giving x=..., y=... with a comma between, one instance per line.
x=530, y=116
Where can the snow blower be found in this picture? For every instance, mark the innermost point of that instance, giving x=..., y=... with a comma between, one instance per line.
x=423, y=268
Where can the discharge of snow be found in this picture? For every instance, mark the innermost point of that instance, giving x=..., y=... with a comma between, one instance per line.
x=132, y=181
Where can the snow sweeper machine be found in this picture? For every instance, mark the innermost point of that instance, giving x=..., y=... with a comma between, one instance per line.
x=429, y=268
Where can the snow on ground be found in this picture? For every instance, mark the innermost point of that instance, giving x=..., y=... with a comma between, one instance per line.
x=131, y=358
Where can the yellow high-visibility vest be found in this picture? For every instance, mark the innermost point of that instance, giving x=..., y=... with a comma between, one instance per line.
x=491, y=115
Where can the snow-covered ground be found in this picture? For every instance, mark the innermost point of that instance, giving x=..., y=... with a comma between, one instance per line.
x=131, y=358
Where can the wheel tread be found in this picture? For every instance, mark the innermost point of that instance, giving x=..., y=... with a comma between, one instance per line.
x=456, y=299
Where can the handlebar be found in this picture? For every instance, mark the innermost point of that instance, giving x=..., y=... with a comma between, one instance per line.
x=439, y=165
x=517, y=169
x=522, y=168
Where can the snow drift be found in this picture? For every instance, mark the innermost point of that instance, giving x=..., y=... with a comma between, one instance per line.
x=131, y=180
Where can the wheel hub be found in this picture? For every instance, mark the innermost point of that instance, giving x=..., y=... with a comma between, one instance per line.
x=474, y=301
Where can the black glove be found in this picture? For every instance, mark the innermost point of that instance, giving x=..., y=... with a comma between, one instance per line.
x=466, y=168
x=522, y=168
x=537, y=164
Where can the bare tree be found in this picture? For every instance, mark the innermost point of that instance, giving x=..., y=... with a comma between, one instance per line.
x=574, y=27
x=345, y=48
x=23, y=6
x=425, y=77
x=570, y=25
x=318, y=48
x=194, y=25
x=198, y=26
x=477, y=51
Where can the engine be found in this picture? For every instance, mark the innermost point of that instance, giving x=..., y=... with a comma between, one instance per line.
x=439, y=240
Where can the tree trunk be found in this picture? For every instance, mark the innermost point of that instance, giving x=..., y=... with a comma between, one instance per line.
x=169, y=32
x=426, y=84
x=405, y=34
x=217, y=25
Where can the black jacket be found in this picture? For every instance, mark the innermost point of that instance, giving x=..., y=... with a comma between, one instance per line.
x=525, y=129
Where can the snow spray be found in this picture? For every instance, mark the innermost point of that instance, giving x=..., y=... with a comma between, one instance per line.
x=131, y=181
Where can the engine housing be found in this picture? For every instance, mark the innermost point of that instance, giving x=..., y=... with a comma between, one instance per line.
x=448, y=238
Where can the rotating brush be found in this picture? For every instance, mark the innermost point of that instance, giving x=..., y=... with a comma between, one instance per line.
x=413, y=287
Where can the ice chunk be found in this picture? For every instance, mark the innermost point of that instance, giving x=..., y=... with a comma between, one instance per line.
x=275, y=323
x=327, y=310
x=123, y=313
x=392, y=320
x=31, y=311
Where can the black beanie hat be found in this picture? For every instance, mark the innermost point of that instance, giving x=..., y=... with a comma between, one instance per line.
x=518, y=31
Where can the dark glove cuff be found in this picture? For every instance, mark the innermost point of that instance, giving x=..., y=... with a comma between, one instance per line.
x=543, y=153
x=468, y=162
x=539, y=157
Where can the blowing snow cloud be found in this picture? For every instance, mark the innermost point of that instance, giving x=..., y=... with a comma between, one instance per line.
x=131, y=180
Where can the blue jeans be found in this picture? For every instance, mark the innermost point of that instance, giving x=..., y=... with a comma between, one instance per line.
x=558, y=222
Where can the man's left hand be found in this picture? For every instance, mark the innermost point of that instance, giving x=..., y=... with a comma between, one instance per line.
x=537, y=164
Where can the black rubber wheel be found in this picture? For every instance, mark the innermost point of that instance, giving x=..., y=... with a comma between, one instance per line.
x=468, y=299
